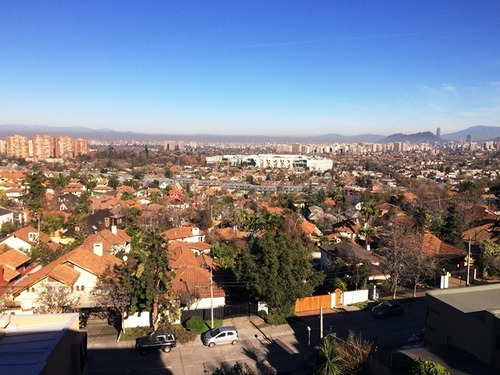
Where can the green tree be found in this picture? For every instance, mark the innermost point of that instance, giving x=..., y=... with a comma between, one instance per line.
x=35, y=198
x=167, y=172
x=149, y=281
x=329, y=363
x=489, y=258
x=349, y=356
x=225, y=254
x=113, y=181
x=40, y=253
x=52, y=224
x=278, y=271
x=368, y=232
x=451, y=231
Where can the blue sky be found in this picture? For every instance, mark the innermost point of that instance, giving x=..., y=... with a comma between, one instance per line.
x=251, y=67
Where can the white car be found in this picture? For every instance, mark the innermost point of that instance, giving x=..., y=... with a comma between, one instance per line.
x=221, y=335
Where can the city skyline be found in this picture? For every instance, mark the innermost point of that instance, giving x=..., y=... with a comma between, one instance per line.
x=280, y=68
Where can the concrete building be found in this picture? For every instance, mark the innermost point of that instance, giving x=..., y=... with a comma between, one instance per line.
x=17, y=146
x=466, y=318
x=64, y=147
x=42, y=344
x=43, y=146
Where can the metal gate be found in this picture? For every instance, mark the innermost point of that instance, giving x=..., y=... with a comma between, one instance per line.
x=240, y=309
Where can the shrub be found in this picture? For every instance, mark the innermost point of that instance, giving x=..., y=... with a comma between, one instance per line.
x=196, y=324
x=262, y=313
x=423, y=367
x=182, y=334
x=276, y=319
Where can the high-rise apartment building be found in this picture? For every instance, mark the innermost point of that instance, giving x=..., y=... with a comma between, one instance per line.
x=17, y=146
x=81, y=147
x=43, y=146
x=64, y=147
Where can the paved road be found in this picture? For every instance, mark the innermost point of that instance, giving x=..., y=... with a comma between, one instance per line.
x=391, y=332
x=282, y=348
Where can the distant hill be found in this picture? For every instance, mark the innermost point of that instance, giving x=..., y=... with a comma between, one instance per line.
x=477, y=133
x=422, y=137
x=333, y=137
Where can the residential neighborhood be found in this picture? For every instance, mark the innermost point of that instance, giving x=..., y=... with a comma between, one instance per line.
x=150, y=238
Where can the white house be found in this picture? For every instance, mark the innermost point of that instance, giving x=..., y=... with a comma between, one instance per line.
x=79, y=270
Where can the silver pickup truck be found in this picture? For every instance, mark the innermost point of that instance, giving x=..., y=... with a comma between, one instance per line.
x=164, y=340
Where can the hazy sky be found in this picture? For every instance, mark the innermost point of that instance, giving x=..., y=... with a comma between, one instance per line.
x=251, y=67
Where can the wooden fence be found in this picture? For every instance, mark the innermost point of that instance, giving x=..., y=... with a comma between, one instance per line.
x=313, y=303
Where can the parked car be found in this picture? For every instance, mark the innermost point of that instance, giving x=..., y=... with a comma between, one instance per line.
x=386, y=309
x=162, y=339
x=221, y=335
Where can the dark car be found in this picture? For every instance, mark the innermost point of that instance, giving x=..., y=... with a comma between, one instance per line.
x=164, y=340
x=386, y=309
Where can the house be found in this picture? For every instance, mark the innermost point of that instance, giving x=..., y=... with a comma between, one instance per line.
x=24, y=238
x=199, y=248
x=346, y=229
x=6, y=216
x=184, y=234
x=13, y=264
x=78, y=269
x=67, y=202
x=350, y=253
x=445, y=252
x=97, y=221
x=112, y=240
x=193, y=278
x=468, y=319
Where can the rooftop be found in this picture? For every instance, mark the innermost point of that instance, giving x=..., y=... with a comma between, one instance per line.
x=472, y=298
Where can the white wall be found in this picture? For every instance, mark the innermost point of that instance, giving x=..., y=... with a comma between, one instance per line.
x=355, y=296
x=17, y=243
x=204, y=303
x=137, y=320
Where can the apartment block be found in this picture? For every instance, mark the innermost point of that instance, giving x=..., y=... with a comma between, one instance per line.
x=17, y=146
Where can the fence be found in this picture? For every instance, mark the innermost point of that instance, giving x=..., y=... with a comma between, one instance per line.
x=313, y=303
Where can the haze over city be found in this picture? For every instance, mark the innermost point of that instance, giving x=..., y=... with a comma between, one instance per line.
x=277, y=68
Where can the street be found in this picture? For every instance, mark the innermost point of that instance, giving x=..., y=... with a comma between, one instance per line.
x=279, y=348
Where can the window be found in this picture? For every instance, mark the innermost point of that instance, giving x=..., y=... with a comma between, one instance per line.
x=77, y=288
x=82, y=288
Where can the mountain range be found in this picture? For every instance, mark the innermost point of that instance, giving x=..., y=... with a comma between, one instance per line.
x=477, y=133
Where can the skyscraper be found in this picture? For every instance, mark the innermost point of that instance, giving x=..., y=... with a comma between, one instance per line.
x=438, y=134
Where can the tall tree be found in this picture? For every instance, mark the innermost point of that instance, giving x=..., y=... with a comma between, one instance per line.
x=399, y=243
x=35, y=198
x=278, y=271
x=149, y=281
x=451, y=231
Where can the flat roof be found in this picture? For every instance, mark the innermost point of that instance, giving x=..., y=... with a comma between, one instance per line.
x=472, y=298
x=26, y=345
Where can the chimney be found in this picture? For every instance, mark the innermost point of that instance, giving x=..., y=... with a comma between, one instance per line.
x=98, y=249
x=2, y=280
x=114, y=230
x=196, y=231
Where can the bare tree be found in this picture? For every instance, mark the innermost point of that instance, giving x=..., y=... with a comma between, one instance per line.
x=53, y=299
x=404, y=258
x=110, y=291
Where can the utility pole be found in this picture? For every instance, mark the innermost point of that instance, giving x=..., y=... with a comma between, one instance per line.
x=211, y=299
x=467, y=280
x=321, y=322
